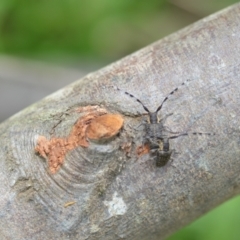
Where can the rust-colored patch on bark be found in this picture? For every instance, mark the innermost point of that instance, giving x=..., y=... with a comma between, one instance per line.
x=104, y=127
x=95, y=124
x=54, y=150
x=143, y=149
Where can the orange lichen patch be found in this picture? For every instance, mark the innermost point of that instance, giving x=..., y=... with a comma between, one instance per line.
x=54, y=150
x=144, y=149
x=43, y=146
x=93, y=125
x=77, y=137
x=104, y=127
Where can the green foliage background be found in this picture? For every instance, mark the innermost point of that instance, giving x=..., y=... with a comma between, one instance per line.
x=93, y=29
x=221, y=223
x=105, y=30
x=75, y=28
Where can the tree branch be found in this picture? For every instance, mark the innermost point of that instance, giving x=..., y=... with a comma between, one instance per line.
x=107, y=190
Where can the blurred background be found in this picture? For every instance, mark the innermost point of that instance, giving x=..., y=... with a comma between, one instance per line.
x=47, y=44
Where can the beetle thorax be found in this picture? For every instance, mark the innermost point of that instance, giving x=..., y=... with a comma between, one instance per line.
x=153, y=118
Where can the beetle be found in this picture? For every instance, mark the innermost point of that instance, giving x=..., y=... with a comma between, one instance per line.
x=155, y=135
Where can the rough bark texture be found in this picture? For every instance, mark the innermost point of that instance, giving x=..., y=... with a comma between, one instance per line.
x=105, y=191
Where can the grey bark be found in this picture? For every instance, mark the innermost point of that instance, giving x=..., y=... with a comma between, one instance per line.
x=123, y=196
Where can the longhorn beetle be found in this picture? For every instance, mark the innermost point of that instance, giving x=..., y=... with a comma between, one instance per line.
x=157, y=140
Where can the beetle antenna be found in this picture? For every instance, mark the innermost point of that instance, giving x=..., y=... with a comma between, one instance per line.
x=132, y=96
x=171, y=93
